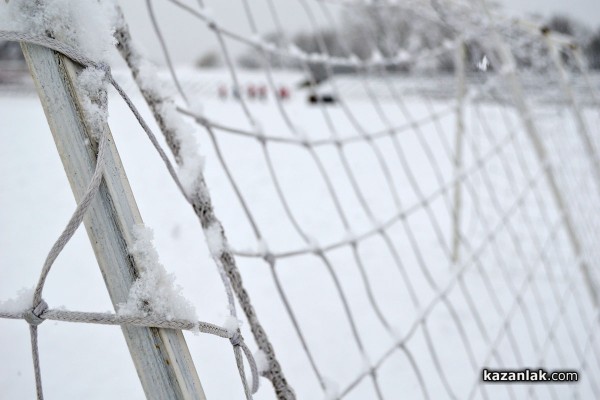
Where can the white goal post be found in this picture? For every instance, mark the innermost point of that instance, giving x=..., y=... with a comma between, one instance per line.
x=161, y=356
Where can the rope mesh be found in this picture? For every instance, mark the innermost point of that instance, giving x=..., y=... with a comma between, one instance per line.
x=388, y=284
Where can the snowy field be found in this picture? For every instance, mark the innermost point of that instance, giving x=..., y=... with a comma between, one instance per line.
x=520, y=299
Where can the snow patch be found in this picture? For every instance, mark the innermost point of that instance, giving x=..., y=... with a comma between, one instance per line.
x=296, y=51
x=92, y=87
x=192, y=163
x=262, y=361
x=22, y=302
x=232, y=324
x=88, y=26
x=154, y=292
x=148, y=77
x=214, y=239
x=354, y=59
x=376, y=57
x=403, y=56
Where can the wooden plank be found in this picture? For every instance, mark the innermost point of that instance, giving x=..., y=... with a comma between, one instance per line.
x=161, y=357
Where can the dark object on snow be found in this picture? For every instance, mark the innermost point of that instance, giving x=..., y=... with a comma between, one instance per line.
x=317, y=74
x=312, y=82
x=315, y=98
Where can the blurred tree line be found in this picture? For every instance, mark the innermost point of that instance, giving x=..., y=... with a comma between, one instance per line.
x=374, y=32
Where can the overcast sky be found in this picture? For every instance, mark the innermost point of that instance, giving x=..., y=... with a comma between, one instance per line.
x=188, y=38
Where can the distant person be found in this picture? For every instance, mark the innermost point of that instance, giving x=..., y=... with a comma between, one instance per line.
x=235, y=92
x=284, y=93
x=262, y=92
x=222, y=92
x=251, y=91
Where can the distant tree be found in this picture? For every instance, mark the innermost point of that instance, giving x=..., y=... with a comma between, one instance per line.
x=371, y=32
x=383, y=30
x=528, y=48
x=282, y=43
x=11, y=51
x=368, y=32
x=250, y=60
x=392, y=32
x=322, y=42
x=569, y=26
x=12, y=63
x=566, y=25
x=254, y=58
x=562, y=24
x=209, y=59
x=592, y=50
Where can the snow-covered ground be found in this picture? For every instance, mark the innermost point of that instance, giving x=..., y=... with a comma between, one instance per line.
x=92, y=362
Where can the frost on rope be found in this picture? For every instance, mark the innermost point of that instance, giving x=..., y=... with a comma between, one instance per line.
x=154, y=292
x=192, y=162
x=231, y=324
x=262, y=361
x=214, y=239
x=85, y=25
x=19, y=304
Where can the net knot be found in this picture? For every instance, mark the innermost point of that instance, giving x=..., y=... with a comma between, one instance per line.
x=235, y=339
x=104, y=67
x=269, y=258
x=34, y=315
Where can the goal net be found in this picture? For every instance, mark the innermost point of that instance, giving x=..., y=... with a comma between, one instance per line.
x=409, y=193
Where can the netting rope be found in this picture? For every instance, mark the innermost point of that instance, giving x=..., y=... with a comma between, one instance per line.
x=39, y=311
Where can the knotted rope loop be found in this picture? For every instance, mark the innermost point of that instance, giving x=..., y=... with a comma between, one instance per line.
x=236, y=339
x=34, y=315
x=104, y=67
